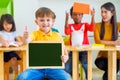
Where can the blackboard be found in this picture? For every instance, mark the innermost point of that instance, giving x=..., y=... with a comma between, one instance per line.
x=45, y=55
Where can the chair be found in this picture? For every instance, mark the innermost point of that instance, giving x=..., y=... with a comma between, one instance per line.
x=6, y=6
x=81, y=71
x=67, y=42
x=7, y=65
x=7, y=68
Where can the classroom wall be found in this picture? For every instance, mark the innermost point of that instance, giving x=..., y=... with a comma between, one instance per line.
x=24, y=13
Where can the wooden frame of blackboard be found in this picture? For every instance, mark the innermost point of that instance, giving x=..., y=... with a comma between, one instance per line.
x=44, y=54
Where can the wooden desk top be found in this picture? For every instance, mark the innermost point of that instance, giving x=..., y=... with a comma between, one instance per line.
x=21, y=48
x=89, y=48
x=111, y=60
x=2, y=49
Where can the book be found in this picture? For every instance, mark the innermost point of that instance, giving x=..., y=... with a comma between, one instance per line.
x=12, y=44
x=81, y=8
x=98, y=45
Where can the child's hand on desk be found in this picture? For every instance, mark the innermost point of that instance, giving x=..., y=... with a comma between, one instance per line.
x=5, y=44
x=65, y=57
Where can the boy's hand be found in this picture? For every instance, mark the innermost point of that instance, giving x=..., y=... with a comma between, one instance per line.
x=93, y=12
x=26, y=33
x=65, y=57
x=67, y=16
x=26, y=36
x=66, y=20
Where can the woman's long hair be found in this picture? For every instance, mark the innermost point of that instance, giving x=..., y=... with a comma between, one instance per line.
x=109, y=6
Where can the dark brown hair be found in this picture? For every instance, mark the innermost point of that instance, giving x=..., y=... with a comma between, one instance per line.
x=9, y=19
x=71, y=11
x=109, y=6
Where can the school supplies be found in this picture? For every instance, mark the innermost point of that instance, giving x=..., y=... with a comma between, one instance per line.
x=98, y=45
x=11, y=44
x=81, y=8
x=45, y=54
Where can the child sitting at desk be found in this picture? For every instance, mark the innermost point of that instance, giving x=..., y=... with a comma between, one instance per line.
x=44, y=19
x=8, y=35
x=80, y=38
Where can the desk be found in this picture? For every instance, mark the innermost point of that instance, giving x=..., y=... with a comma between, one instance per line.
x=111, y=60
x=21, y=49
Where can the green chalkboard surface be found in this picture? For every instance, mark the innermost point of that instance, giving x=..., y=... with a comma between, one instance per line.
x=45, y=55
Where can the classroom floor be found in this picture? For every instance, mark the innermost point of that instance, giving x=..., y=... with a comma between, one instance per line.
x=97, y=74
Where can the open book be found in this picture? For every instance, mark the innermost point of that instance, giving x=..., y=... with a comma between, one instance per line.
x=12, y=44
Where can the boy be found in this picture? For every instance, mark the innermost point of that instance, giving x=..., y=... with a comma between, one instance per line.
x=78, y=36
x=44, y=19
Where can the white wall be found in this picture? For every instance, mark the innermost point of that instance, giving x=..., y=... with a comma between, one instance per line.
x=24, y=13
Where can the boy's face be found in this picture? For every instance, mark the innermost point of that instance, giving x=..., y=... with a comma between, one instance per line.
x=45, y=23
x=77, y=17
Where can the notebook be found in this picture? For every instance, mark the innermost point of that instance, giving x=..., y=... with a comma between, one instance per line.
x=98, y=45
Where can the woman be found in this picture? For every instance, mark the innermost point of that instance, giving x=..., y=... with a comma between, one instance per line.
x=106, y=33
